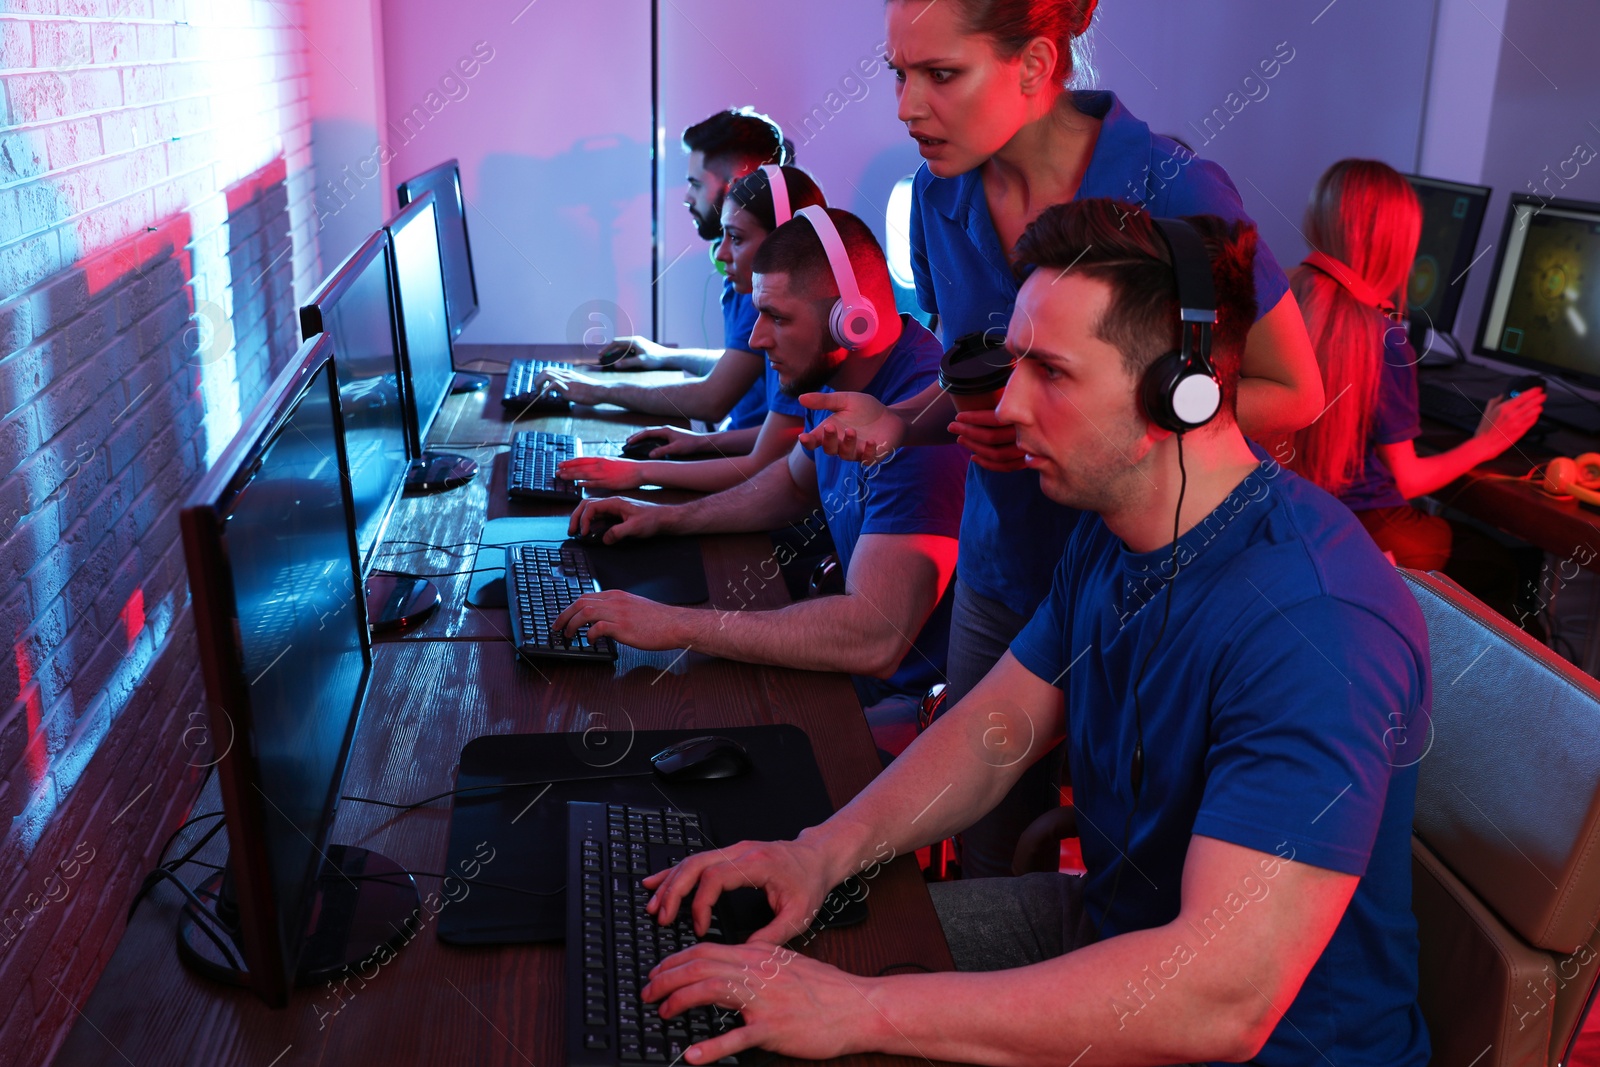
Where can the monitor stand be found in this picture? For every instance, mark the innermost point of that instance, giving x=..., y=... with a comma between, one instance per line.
x=434, y=472
x=469, y=383
x=398, y=601
x=364, y=902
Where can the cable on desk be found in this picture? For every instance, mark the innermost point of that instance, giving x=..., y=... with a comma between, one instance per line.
x=440, y=574
x=436, y=445
x=430, y=546
x=496, y=785
x=195, y=905
x=463, y=878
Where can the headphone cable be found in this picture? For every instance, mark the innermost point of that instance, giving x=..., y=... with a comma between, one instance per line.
x=1137, y=769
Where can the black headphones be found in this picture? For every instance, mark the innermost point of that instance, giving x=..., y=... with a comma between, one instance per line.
x=1181, y=390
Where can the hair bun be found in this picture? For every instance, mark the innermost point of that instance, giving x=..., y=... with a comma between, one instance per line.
x=1082, y=14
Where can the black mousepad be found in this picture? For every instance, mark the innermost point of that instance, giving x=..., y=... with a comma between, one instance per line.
x=522, y=831
x=668, y=570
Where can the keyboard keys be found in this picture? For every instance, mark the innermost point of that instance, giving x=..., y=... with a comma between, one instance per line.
x=535, y=455
x=542, y=581
x=620, y=838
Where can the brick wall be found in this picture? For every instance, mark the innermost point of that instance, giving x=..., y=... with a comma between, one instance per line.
x=156, y=227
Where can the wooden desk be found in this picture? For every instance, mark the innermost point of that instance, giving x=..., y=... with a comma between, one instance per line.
x=430, y=695
x=1498, y=494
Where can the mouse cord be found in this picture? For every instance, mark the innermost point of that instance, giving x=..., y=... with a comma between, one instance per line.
x=497, y=785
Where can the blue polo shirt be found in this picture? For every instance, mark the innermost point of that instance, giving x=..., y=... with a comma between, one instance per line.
x=1011, y=535
x=738, y=320
x=1283, y=710
x=1395, y=420
x=914, y=491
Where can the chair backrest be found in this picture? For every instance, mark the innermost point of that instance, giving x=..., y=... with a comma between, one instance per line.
x=1507, y=838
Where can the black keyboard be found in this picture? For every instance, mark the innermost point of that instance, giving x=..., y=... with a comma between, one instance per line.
x=519, y=386
x=1449, y=405
x=612, y=942
x=542, y=581
x=535, y=455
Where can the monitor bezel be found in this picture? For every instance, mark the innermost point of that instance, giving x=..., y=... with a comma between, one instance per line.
x=1587, y=207
x=405, y=192
x=417, y=426
x=271, y=960
x=312, y=324
x=1450, y=307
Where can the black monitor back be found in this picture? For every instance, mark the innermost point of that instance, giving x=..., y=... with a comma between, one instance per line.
x=460, y=283
x=356, y=305
x=424, y=329
x=269, y=541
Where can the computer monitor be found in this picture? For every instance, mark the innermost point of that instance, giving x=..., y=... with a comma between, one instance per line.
x=1452, y=218
x=268, y=538
x=356, y=306
x=460, y=284
x=424, y=331
x=1543, y=306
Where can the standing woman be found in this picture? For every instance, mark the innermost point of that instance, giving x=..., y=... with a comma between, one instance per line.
x=982, y=90
x=749, y=213
x=1364, y=221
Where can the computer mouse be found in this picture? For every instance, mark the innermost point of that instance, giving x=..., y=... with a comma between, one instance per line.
x=1523, y=384
x=612, y=356
x=701, y=758
x=597, y=529
x=640, y=447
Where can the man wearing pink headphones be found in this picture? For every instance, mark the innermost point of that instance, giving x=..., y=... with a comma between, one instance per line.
x=827, y=321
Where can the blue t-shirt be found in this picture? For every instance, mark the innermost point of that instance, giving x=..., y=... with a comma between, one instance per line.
x=1395, y=420
x=738, y=320
x=914, y=491
x=1284, y=710
x=1011, y=534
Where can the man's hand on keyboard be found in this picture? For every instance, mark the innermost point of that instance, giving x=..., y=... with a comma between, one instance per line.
x=792, y=1005
x=794, y=874
x=570, y=385
x=598, y=472
x=623, y=617
x=626, y=518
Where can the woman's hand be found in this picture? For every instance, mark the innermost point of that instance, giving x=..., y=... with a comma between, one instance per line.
x=1505, y=421
x=992, y=442
x=599, y=472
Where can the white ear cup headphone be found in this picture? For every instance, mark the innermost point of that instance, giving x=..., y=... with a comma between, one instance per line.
x=780, y=194
x=853, y=321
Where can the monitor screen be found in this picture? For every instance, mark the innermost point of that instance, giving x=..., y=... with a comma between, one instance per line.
x=355, y=306
x=424, y=331
x=1543, y=307
x=1452, y=217
x=284, y=649
x=460, y=285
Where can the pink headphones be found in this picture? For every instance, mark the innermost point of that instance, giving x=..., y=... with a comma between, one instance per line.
x=853, y=321
x=780, y=194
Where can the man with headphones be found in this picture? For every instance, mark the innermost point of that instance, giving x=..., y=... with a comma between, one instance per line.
x=827, y=321
x=721, y=149
x=1233, y=666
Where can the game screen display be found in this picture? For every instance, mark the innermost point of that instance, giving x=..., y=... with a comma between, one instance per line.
x=1546, y=301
